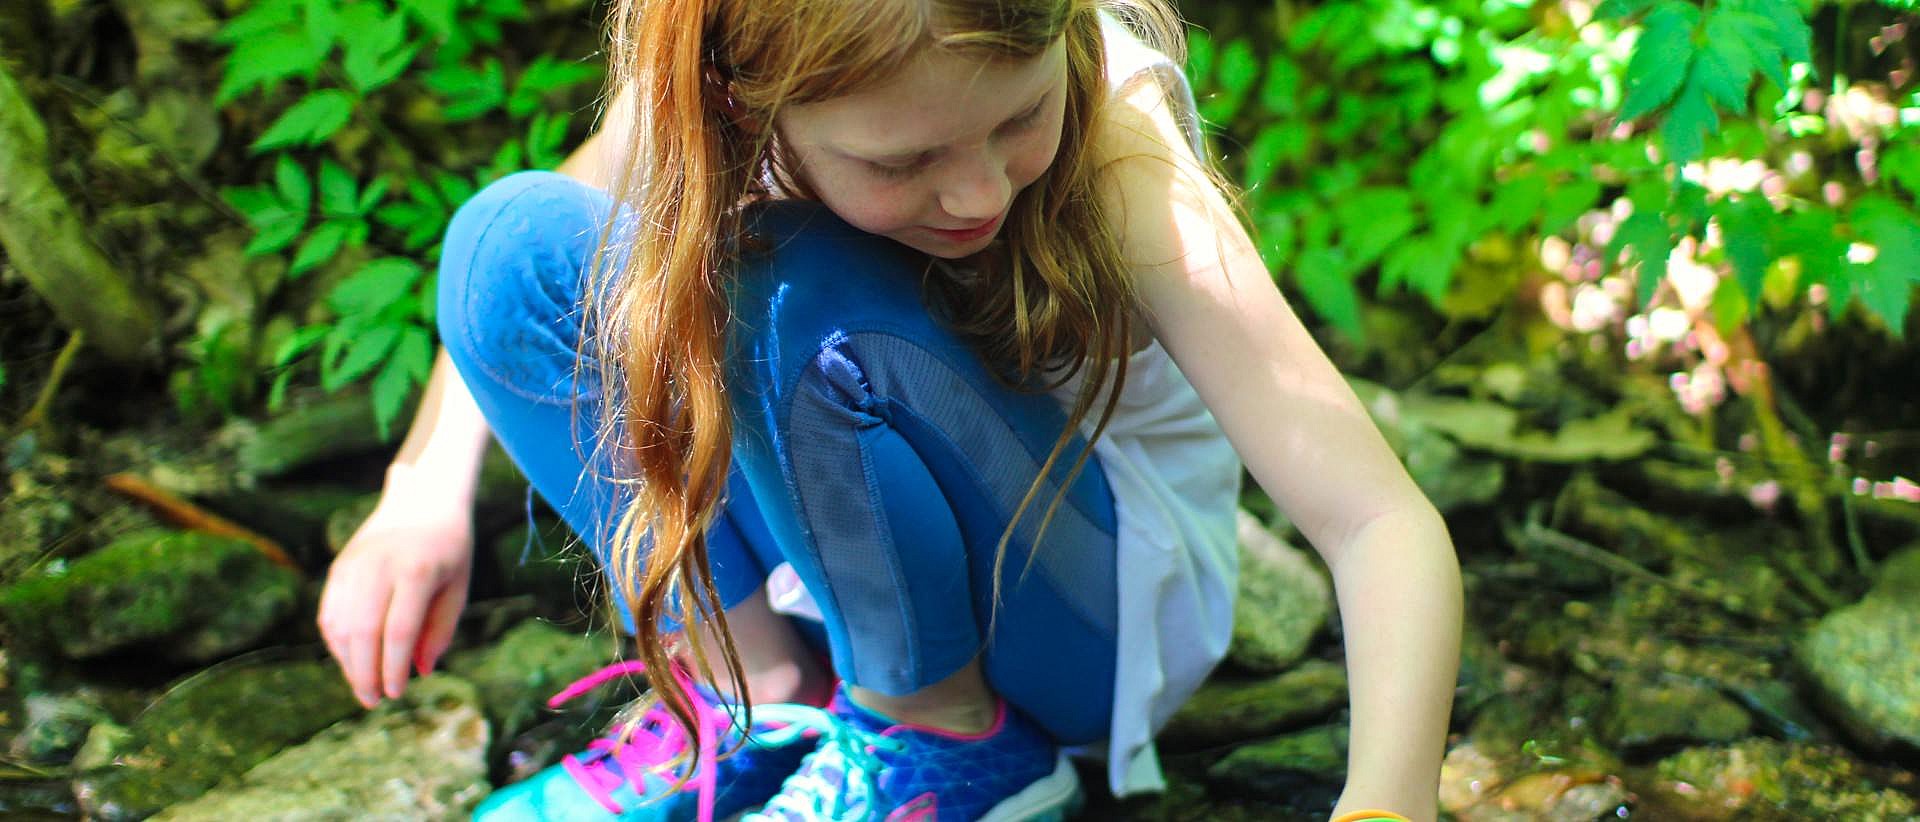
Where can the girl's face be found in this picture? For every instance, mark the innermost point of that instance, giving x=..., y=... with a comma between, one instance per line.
x=932, y=158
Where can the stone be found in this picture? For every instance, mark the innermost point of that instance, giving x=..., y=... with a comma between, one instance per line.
x=531, y=662
x=1285, y=764
x=1771, y=780
x=178, y=595
x=1227, y=711
x=55, y=726
x=422, y=756
x=1282, y=604
x=1643, y=718
x=347, y=519
x=546, y=561
x=212, y=725
x=1861, y=658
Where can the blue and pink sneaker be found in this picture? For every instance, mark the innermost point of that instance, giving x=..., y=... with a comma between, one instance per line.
x=629, y=775
x=869, y=767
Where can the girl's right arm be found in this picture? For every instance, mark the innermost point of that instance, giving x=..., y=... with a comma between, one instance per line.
x=396, y=590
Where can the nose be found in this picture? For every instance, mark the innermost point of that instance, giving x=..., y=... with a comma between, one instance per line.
x=976, y=190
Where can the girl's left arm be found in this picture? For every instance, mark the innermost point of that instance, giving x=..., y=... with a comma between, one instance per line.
x=1308, y=442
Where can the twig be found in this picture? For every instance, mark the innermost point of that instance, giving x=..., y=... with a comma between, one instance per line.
x=37, y=414
x=192, y=517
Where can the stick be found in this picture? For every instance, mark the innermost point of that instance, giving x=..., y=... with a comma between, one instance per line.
x=192, y=517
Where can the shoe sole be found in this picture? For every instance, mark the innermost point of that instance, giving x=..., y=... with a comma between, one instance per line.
x=1052, y=798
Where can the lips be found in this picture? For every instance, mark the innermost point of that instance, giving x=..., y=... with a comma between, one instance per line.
x=974, y=233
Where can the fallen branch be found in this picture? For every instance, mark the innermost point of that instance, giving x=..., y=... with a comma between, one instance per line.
x=38, y=413
x=180, y=512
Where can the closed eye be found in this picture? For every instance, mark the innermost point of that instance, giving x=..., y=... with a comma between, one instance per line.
x=1021, y=122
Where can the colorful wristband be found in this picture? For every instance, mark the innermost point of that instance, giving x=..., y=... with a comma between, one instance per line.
x=1370, y=816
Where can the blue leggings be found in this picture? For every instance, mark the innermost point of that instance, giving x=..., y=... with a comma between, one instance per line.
x=873, y=450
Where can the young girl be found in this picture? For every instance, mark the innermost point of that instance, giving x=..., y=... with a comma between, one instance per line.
x=932, y=310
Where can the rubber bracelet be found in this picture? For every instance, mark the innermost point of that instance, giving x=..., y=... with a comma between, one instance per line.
x=1370, y=816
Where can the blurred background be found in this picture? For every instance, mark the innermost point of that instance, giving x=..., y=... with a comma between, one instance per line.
x=1628, y=285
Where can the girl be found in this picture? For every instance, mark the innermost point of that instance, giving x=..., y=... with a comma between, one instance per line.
x=932, y=306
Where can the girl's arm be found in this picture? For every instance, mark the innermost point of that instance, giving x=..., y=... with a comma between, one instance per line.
x=1310, y=444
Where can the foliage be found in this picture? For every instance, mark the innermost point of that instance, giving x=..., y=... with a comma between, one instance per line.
x=1408, y=142
x=348, y=192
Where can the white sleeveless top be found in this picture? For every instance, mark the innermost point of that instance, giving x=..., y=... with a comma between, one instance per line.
x=1176, y=485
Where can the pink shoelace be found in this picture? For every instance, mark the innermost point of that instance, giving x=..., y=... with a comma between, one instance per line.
x=644, y=746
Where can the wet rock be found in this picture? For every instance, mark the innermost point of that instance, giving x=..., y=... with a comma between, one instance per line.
x=1285, y=764
x=530, y=663
x=1282, y=604
x=1553, y=796
x=1227, y=711
x=1861, y=658
x=55, y=726
x=213, y=725
x=1648, y=717
x=177, y=595
x=422, y=756
x=1765, y=779
x=312, y=428
x=105, y=741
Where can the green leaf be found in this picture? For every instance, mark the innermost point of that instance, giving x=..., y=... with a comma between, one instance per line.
x=543, y=77
x=377, y=59
x=469, y=92
x=1885, y=285
x=1372, y=219
x=1327, y=282
x=274, y=231
x=1660, y=57
x=1199, y=56
x=260, y=18
x=297, y=343
x=1746, y=225
x=1280, y=91
x=1688, y=123
x=309, y=122
x=1518, y=201
x=1425, y=265
x=436, y=15
x=1566, y=202
x=265, y=62
x=1900, y=163
x=320, y=246
x=1812, y=235
x=370, y=197
x=1651, y=242
x=338, y=192
x=1723, y=70
x=407, y=367
x=252, y=200
x=361, y=353
x=1790, y=31
x=1622, y=9
x=375, y=286
x=292, y=183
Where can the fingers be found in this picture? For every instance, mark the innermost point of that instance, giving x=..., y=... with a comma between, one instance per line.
x=443, y=615
x=402, y=631
x=351, y=613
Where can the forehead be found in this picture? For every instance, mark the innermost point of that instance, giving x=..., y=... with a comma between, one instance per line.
x=936, y=99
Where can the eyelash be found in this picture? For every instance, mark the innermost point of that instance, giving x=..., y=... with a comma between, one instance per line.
x=1021, y=123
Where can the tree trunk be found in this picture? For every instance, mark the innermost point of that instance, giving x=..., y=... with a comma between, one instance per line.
x=50, y=246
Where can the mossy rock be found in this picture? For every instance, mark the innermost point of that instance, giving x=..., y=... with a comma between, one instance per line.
x=1644, y=718
x=1282, y=604
x=179, y=595
x=531, y=662
x=1285, y=764
x=211, y=726
x=1861, y=658
x=1226, y=711
x=422, y=756
x=1766, y=779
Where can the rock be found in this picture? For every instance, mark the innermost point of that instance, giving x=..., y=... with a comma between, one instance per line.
x=1554, y=796
x=1767, y=779
x=346, y=519
x=1225, y=711
x=530, y=663
x=105, y=741
x=1282, y=604
x=55, y=725
x=1286, y=764
x=1644, y=718
x=213, y=725
x=312, y=428
x=422, y=756
x=1861, y=658
x=179, y=595
x=547, y=562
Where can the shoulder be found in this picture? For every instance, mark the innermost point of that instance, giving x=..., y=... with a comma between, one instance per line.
x=1161, y=199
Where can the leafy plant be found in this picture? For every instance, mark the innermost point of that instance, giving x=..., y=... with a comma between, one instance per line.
x=344, y=66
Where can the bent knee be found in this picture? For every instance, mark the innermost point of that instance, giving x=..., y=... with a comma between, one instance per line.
x=512, y=271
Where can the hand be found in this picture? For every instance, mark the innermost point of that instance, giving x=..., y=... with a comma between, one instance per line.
x=395, y=593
